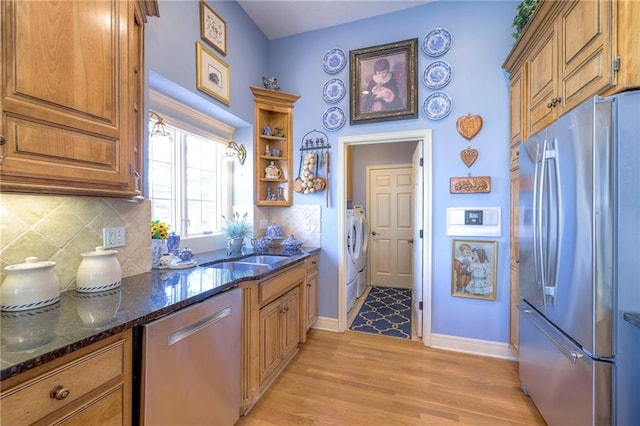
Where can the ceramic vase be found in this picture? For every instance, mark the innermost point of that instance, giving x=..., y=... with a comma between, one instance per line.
x=173, y=243
x=158, y=248
x=234, y=245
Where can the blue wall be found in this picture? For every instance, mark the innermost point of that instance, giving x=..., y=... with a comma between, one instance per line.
x=481, y=33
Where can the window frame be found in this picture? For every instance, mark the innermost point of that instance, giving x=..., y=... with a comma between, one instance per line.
x=193, y=121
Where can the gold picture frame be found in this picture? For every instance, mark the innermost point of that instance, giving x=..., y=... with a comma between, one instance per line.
x=213, y=29
x=213, y=74
x=383, y=82
x=474, y=269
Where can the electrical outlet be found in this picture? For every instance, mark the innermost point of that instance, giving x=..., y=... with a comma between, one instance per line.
x=113, y=237
x=307, y=225
x=264, y=224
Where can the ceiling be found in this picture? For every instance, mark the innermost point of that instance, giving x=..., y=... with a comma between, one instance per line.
x=282, y=18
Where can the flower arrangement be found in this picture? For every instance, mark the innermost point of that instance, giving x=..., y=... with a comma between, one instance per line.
x=237, y=227
x=159, y=230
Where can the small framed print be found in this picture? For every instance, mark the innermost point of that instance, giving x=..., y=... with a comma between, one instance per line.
x=213, y=29
x=213, y=74
x=474, y=269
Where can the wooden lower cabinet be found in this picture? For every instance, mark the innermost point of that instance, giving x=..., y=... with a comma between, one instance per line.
x=279, y=333
x=89, y=386
x=309, y=297
x=271, y=324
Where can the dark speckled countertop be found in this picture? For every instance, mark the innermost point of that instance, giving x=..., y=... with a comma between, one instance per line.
x=35, y=337
x=633, y=318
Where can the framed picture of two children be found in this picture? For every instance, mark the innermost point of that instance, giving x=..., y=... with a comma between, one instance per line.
x=474, y=269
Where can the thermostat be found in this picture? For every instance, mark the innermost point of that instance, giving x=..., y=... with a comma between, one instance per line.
x=474, y=221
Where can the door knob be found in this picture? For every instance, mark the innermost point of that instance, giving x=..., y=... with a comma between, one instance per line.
x=411, y=241
x=374, y=233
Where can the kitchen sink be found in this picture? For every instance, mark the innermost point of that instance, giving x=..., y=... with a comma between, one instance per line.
x=237, y=266
x=265, y=259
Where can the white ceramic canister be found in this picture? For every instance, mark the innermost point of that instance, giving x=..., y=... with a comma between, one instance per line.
x=98, y=271
x=29, y=285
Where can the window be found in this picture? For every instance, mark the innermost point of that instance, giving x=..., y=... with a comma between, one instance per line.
x=189, y=181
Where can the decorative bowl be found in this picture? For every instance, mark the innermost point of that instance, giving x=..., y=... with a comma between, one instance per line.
x=291, y=244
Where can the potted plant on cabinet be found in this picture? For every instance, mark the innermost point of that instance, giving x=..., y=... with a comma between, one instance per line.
x=523, y=13
x=237, y=229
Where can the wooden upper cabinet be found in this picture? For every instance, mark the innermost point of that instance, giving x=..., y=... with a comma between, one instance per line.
x=542, y=71
x=72, y=96
x=586, y=47
x=572, y=50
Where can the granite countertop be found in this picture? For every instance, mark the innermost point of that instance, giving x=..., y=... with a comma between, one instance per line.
x=633, y=318
x=35, y=337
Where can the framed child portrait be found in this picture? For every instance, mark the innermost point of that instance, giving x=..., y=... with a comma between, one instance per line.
x=474, y=269
x=383, y=82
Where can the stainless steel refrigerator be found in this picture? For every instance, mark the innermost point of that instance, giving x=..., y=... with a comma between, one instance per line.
x=580, y=264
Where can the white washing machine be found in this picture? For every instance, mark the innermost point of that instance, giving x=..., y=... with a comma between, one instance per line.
x=363, y=225
x=353, y=254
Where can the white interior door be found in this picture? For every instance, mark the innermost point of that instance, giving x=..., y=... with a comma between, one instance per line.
x=390, y=202
x=418, y=176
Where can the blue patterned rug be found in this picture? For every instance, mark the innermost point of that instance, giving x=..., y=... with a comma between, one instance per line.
x=386, y=311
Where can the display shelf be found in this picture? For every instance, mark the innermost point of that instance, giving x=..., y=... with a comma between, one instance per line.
x=273, y=131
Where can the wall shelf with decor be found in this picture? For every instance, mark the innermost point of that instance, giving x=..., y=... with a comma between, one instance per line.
x=273, y=147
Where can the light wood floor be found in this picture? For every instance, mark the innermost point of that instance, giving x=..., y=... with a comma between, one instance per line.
x=357, y=378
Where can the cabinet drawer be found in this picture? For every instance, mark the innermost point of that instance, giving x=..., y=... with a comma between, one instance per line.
x=312, y=264
x=274, y=287
x=32, y=400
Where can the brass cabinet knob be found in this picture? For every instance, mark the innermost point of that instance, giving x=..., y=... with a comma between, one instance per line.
x=59, y=393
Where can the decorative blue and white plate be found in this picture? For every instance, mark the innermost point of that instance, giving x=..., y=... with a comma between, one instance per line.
x=334, y=90
x=334, y=61
x=437, y=75
x=437, y=42
x=437, y=106
x=333, y=118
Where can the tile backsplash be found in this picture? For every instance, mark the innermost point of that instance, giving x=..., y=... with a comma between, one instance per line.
x=59, y=228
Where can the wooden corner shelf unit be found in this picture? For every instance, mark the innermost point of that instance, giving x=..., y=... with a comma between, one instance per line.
x=275, y=110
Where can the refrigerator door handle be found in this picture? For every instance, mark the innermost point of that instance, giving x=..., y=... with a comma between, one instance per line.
x=538, y=225
x=571, y=354
x=553, y=213
x=535, y=212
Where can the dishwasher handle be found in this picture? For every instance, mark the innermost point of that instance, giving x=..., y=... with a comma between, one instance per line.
x=187, y=331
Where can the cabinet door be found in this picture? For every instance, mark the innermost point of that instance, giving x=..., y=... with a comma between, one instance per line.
x=312, y=299
x=514, y=263
x=516, y=102
x=270, y=338
x=586, y=62
x=290, y=321
x=542, y=72
x=67, y=109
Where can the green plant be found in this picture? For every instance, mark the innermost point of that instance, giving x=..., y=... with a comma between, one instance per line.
x=523, y=12
x=237, y=227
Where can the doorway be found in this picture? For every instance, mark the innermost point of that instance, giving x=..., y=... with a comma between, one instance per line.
x=423, y=138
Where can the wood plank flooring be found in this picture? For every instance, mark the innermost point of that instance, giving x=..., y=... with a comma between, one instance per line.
x=356, y=378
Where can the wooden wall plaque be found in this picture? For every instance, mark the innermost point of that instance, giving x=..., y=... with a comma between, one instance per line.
x=470, y=185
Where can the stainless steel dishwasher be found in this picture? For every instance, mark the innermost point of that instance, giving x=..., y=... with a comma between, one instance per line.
x=191, y=364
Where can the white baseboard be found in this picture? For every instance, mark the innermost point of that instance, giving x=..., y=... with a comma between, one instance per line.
x=327, y=324
x=443, y=341
x=472, y=346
